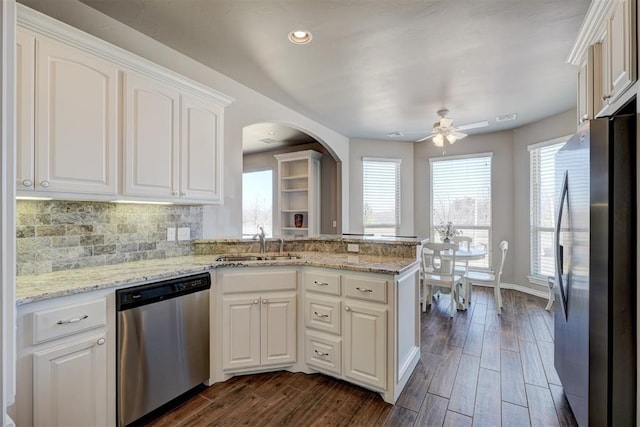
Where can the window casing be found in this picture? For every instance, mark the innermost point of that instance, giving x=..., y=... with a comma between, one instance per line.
x=543, y=205
x=381, y=196
x=461, y=193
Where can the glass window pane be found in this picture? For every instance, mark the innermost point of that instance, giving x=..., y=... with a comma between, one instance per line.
x=257, y=202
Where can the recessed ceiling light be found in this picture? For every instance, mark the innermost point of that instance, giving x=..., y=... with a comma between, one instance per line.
x=506, y=117
x=300, y=36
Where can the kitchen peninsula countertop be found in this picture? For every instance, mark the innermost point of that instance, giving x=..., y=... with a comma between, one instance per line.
x=32, y=288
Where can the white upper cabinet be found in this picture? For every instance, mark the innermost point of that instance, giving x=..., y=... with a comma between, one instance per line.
x=172, y=143
x=97, y=122
x=605, y=53
x=619, y=50
x=73, y=142
x=151, y=137
x=200, y=149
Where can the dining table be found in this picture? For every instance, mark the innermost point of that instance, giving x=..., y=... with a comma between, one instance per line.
x=464, y=254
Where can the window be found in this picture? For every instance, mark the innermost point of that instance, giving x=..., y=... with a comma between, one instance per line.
x=257, y=202
x=461, y=193
x=381, y=195
x=542, y=181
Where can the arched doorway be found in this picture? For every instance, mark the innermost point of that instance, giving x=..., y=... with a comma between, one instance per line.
x=260, y=142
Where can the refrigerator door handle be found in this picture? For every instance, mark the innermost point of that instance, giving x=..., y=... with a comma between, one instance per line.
x=559, y=249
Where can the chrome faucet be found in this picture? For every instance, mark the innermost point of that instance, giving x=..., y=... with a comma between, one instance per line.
x=263, y=240
x=281, y=244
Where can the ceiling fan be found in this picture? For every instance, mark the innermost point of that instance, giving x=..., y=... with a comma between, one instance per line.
x=444, y=131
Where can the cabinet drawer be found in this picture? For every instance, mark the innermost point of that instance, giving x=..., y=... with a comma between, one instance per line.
x=365, y=288
x=258, y=281
x=324, y=352
x=326, y=283
x=70, y=319
x=323, y=313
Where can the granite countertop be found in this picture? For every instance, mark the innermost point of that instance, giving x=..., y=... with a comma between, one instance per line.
x=32, y=288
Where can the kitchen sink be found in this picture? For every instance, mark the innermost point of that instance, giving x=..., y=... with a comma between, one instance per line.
x=281, y=257
x=263, y=257
x=236, y=258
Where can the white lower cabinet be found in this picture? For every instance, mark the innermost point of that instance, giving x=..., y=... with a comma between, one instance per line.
x=365, y=350
x=66, y=362
x=258, y=322
x=356, y=326
x=355, y=330
x=258, y=330
x=70, y=383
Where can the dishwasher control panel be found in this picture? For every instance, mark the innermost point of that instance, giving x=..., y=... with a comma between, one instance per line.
x=158, y=291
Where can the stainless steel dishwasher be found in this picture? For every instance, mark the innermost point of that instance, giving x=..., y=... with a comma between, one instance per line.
x=163, y=343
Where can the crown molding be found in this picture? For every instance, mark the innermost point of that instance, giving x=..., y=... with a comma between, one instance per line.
x=590, y=29
x=127, y=61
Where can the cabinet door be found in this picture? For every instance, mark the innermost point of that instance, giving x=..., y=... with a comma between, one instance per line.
x=240, y=332
x=620, y=46
x=25, y=93
x=278, y=324
x=70, y=384
x=76, y=126
x=200, y=150
x=151, y=121
x=365, y=344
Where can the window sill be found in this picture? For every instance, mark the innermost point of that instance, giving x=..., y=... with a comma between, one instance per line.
x=538, y=280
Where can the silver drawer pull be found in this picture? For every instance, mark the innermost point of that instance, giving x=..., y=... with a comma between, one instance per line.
x=319, y=353
x=364, y=290
x=315, y=282
x=73, y=320
x=320, y=314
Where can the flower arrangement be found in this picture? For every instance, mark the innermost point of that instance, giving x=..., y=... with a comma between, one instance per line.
x=447, y=231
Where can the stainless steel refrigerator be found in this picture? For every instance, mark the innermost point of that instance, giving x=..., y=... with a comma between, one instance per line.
x=595, y=280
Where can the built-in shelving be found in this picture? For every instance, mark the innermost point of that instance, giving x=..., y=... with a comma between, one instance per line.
x=298, y=193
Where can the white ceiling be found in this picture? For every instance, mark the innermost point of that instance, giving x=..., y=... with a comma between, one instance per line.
x=378, y=66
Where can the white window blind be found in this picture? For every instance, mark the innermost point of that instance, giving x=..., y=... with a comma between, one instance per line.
x=381, y=195
x=542, y=181
x=461, y=194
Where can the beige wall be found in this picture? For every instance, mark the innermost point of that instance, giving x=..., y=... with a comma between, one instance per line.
x=328, y=179
x=248, y=108
x=360, y=148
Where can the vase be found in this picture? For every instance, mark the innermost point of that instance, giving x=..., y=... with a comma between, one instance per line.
x=297, y=220
x=447, y=240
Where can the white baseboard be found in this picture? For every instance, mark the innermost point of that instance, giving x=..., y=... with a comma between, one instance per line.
x=542, y=293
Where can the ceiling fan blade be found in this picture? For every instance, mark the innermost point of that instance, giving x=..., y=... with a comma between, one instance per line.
x=445, y=122
x=426, y=137
x=475, y=125
x=459, y=135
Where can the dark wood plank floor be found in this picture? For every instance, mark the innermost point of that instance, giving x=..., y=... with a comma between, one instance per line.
x=476, y=369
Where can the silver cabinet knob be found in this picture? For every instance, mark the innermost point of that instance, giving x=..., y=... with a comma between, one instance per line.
x=44, y=184
x=255, y=301
x=264, y=301
x=27, y=183
x=100, y=341
x=347, y=309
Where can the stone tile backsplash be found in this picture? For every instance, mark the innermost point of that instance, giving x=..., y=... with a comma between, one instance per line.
x=58, y=235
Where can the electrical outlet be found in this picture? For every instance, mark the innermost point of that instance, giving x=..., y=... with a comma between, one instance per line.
x=171, y=234
x=352, y=247
x=335, y=224
x=184, y=233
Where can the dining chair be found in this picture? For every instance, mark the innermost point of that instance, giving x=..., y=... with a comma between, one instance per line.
x=437, y=272
x=487, y=278
x=463, y=242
